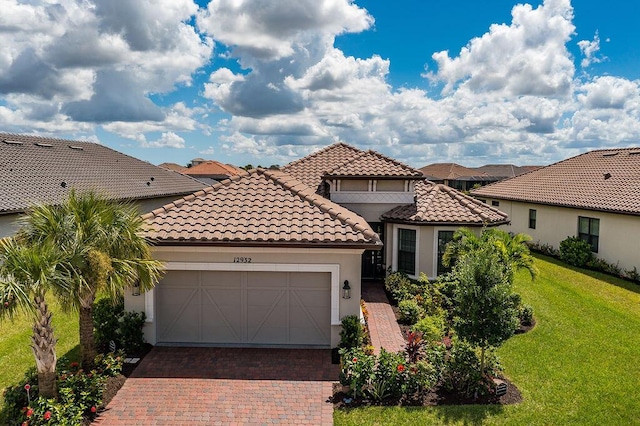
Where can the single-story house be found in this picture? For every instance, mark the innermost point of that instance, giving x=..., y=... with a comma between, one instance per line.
x=210, y=171
x=276, y=257
x=36, y=169
x=465, y=178
x=594, y=196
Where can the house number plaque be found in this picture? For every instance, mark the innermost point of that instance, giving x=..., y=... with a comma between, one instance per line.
x=241, y=260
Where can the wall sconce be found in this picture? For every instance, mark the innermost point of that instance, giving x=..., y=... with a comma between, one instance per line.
x=346, y=290
x=135, y=289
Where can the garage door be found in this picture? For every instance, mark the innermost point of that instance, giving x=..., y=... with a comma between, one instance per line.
x=244, y=308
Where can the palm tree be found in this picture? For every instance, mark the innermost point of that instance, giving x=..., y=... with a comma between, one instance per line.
x=27, y=274
x=513, y=250
x=105, y=249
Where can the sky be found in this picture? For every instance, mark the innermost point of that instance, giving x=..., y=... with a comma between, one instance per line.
x=266, y=82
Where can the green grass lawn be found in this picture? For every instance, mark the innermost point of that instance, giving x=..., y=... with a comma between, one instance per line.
x=579, y=365
x=15, y=344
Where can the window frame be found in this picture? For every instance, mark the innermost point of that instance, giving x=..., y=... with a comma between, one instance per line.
x=438, y=255
x=533, y=221
x=590, y=237
x=396, y=244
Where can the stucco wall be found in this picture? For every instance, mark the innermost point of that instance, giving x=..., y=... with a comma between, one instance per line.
x=618, y=239
x=348, y=260
x=7, y=224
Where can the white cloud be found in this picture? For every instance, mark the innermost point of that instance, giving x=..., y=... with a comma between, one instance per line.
x=590, y=49
x=166, y=140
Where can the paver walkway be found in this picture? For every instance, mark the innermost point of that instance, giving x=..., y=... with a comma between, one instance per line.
x=383, y=327
x=226, y=386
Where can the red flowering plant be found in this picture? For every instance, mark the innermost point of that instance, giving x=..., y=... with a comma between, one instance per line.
x=356, y=369
x=388, y=375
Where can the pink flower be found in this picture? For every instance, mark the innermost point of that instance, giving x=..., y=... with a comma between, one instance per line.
x=93, y=409
x=29, y=412
x=74, y=365
x=355, y=359
x=27, y=387
x=400, y=368
x=6, y=304
x=47, y=415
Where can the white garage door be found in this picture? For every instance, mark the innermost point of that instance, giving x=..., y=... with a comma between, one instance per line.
x=244, y=308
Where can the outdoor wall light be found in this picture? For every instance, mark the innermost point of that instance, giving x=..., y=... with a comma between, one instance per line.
x=346, y=290
x=135, y=289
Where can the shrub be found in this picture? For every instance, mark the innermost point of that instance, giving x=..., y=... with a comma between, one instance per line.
x=110, y=364
x=525, y=313
x=356, y=370
x=431, y=327
x=410, y=311
x=387, y=379
x=415, y=346
x=351, y=335
x=400, y=286
x=130, y=333
x=544, y=248
x=15, y=397
x=632, y=274
x=575, y=251
x=462, y=371
x=105, y=322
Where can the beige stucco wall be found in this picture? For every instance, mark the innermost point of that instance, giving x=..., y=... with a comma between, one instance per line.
x=618, y=239
x=8, y=224
x=348, y=261
x=427, y=246
x=390, y=185
x=354, y=185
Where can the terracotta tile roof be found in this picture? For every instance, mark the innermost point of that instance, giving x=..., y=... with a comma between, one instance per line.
x=372, y=164
x=212, y=168
x=603, y=180
x=36, y=169
x=312, y=168
x=260, y=207
x=440, y=204
x=172, y=166
x=446, y=171
x=504, y=170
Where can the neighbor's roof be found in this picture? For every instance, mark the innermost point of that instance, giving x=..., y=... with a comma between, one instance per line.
x=212, y=168
x=440, y=204
x=172, y=166
x=258, y=208
x=603, y=180
x=442, y=171
x=505, y=170
x=37, y=169
x=342, y=160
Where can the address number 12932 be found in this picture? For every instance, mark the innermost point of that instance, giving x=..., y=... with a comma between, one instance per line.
x=241, y=260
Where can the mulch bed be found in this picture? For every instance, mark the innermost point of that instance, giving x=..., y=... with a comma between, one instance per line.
x=114, y=384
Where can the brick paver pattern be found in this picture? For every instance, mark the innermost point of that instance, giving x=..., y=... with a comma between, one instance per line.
x=226, y=386
x=383, y=327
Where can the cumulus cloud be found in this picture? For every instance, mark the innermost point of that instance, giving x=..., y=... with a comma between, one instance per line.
x=166, y=140
x=590, y=49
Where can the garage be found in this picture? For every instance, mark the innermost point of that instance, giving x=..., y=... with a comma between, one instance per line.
x=244, y=308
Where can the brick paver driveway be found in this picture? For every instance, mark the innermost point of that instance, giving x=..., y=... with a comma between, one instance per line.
x=178, y=386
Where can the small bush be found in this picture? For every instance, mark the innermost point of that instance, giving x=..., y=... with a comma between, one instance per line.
x=356, y=370
x=525, y=313
x=401, y=287
x=462, y=371
x=106, y=314
x=387, y=379
x=130, y=333
x=15, y=397
x=410, y=311
x=543, y=248
x=352, y=334
x=632, y=274
x=431, y=327
x=575, y=251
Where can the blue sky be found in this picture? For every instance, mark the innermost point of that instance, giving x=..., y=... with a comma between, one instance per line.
x=268, y=81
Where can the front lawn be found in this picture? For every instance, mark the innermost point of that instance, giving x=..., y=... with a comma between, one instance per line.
x=15, y=344
x=578, y=366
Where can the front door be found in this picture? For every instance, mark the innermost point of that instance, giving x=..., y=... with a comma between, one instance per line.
x=373, y=260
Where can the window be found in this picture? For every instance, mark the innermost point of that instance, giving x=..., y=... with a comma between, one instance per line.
x=407, y=251
x=443, y=238
x=532, y=218
x=589, y=230
x=495, y=203
x=481, y=200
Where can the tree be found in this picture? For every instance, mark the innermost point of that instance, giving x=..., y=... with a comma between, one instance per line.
x=105, y=251
x=513, y=250
x=27, y=273
x=485, y=311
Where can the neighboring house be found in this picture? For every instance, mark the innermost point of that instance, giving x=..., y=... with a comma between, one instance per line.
x=594, y=196
x=172, y=166
x=276, y=257
x=210, y=172
x=465, y=178
x=44, y=170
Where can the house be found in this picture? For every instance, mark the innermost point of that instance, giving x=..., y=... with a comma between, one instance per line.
x=210, y=171
x=594, y=196
x=276, y=257
x=172, y=166
x=36, y=169
x=465, y=178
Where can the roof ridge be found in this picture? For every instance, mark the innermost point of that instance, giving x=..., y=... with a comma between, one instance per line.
x=308, y=194
x=459, y=196
x=315, y=154
x=393, y=160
